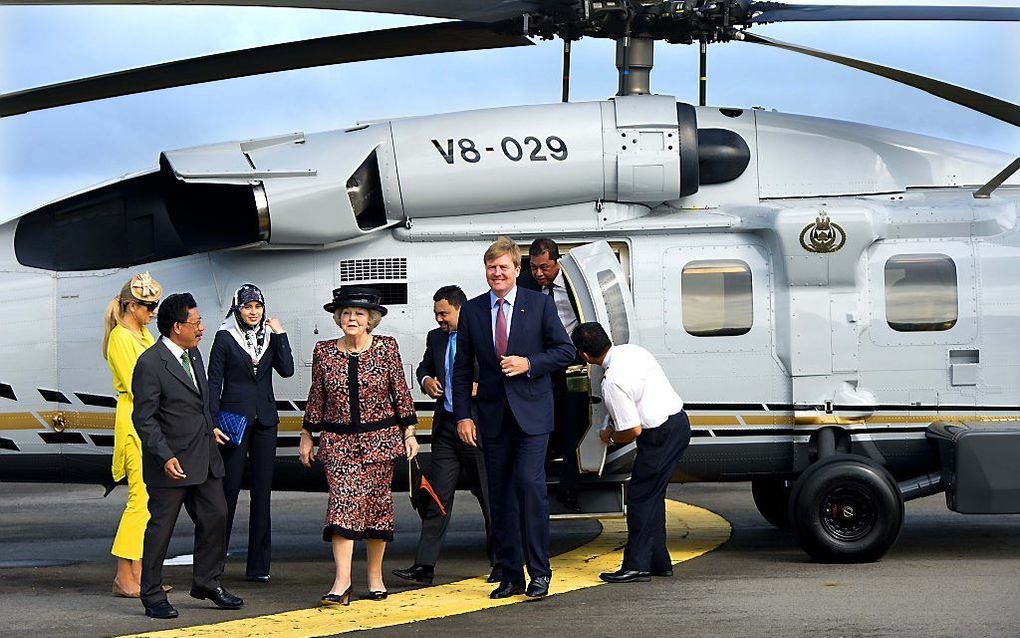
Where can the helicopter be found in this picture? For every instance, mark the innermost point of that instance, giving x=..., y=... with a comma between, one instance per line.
x=821, y=292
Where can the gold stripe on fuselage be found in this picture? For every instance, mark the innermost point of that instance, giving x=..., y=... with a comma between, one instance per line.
x=19, y=421
x=76, y=420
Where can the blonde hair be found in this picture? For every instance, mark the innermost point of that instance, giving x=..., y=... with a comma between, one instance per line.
x=141, y=287
x=503, y=246
x=374, y=317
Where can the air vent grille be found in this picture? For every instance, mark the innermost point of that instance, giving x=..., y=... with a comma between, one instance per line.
x=373, y=269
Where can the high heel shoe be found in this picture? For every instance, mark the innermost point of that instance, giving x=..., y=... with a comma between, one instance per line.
x=378, y=595
x=337, y=599
x=120, y=592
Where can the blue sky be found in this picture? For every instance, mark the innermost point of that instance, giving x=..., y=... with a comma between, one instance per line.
x=45, y=155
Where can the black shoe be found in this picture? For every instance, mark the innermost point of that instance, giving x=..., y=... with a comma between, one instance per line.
x=219, y=597
x=507, y=589
x=162, y=610
x=625, y=576
x=257, y=579
x=337, y=599
x=417, y=573
x=662, y=573
x=568, y=498
x=496, y=575
x=538, y=587
x=377, y=595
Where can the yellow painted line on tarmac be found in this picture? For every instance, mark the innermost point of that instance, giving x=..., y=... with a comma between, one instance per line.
x=691, y=531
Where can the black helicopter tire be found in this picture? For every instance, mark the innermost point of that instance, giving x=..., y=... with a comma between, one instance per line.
x=846, y=509
x=772, y=498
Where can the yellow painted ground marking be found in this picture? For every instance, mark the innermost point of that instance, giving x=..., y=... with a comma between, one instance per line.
x=691, y=531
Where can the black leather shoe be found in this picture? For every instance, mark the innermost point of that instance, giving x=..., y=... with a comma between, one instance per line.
x=538, y=587
x=162, y=610
x=417, y=573
x=496, y=575
x=625, y=576
x=377, y=595
x=507, y=589
x=219, y=597
x=662, y=573
x=257, y=579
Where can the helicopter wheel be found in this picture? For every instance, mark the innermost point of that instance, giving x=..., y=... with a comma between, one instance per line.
x=846, y=509
x=772, y=498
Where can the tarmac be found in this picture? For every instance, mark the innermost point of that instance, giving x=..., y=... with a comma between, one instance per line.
x=948, y=575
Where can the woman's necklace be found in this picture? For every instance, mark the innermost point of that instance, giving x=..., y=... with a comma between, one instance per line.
x=353, y=352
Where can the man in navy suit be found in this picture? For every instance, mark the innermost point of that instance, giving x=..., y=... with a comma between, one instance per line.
x=517, y=339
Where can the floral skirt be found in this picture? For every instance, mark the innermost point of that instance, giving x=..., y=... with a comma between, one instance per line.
x=360, y=497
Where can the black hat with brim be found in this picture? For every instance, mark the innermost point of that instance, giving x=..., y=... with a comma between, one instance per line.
x=355, y=297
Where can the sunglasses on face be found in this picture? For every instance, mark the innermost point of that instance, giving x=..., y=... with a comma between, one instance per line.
x=148, y=305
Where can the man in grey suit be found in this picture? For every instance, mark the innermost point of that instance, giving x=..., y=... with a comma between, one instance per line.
x=181, y=464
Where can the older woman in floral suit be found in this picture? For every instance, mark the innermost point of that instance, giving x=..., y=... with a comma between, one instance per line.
x=360, y=404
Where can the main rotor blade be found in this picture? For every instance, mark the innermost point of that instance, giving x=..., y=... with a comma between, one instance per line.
x=781, y=12
x=442, y=37
x=992, y=106
x=470, y=10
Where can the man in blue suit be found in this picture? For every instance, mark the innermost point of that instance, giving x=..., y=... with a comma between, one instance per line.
x=517, y=339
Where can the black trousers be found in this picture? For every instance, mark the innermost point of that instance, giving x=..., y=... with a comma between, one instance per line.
x=515, y=467
x=208, y=510
x=257, y=453
x=449, y=459
x=658, y=450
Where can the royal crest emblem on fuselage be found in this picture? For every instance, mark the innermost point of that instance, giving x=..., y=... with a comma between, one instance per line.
x=823, y=236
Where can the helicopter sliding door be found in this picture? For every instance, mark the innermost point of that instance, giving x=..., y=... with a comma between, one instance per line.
x=600, y=286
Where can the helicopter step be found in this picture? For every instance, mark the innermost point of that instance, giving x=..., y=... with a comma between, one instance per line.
x=605, y=498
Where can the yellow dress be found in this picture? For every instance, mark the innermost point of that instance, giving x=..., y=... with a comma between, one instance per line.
x=122, y=352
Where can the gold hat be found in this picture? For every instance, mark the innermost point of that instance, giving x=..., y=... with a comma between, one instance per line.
x=144, y=288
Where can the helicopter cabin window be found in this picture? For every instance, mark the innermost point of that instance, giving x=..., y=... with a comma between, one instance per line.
x=921, y=293
x=716, y=298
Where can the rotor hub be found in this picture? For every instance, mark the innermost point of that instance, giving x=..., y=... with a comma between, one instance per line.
x=675, y=21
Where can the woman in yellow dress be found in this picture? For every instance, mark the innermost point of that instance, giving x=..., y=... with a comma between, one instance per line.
x=125, y=337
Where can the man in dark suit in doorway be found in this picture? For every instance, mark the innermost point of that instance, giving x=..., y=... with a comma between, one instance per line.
x=517, y=339
x=571, y=407
x=181, y=464
x=450, y=456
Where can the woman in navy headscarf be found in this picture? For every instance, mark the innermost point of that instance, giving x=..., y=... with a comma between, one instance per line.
x=247, y=348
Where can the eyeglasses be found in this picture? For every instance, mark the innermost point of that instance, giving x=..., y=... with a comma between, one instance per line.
x=196, y=322
x=148, y=305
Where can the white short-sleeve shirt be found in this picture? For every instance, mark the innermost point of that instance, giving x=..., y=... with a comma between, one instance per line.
x=636, y=390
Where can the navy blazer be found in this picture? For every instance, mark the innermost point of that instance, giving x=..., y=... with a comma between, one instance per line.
x=233, y=384
x=535, y=333
x=433, y=363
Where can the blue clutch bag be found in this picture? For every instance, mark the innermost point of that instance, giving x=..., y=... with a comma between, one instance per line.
x=233, y=425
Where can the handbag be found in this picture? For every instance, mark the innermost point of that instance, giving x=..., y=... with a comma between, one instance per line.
x=423, y=496
x=233, y=425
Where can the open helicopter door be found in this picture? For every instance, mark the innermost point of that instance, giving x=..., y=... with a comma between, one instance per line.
x=600, y=288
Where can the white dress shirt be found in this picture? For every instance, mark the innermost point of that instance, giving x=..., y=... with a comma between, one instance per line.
x=636, y=390
x=508, y=311
x=177, y=351
x=562, y=300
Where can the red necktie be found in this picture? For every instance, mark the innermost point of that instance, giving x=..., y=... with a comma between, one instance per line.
x=500, y=328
